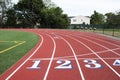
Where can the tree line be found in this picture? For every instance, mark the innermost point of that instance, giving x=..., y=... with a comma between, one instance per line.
x=45, y=14
x=34, y=14
x=109, y=20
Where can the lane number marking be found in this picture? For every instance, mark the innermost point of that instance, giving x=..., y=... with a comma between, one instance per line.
x=92, y=64
x=116, y=62
x=67, y=64
x=35, y=65
x=64, y=64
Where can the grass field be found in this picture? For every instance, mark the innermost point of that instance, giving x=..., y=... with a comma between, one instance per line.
x=13, y=46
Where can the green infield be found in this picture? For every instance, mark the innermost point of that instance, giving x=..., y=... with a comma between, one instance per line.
x=13, y=46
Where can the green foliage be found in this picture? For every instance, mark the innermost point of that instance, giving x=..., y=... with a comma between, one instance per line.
x=11, y=21
x=29, y=12
x=4, y=5
x=97, y=18
x=53, y=18
x=44, y=12
x=113, y=20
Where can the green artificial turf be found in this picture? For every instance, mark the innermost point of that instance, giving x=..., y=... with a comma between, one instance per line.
x=11, y=38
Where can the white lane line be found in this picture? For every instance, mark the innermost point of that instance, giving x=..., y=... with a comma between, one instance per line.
x=88, y=54
x=80, y=70
x=100, y=45
x=26, y=59
x=81, y=55
x=45, y=59
x=51, y=59
x=105, y=41
x=97, y=56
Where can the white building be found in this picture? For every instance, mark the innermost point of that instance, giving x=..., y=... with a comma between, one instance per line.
x=80, y=20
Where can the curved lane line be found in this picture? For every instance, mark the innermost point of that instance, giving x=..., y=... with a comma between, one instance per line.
x=80, y=70
x=51, y=59
x=26, y=59
x=105, y=41
x=97, y=56
x=100, y=45
x=82, y=55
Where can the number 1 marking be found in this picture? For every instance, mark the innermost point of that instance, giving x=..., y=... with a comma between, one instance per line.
x=35, y=65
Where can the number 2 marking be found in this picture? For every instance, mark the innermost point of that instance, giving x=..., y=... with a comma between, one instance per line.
x=64, y=64
x=92, y=64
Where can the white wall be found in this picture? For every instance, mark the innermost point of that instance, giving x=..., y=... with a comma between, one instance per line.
x=80, y=20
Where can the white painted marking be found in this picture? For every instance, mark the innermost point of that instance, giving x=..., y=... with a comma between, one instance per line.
x=117, y=62
x=64, y=64
x=82, y=55
x=53, y=53
x=25, y=60
x=101, y=45
x=70, y=58
x=35, y=65
x=104, y=41
x=80, y=70
x=97, y=56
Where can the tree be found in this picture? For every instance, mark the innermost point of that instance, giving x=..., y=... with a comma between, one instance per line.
x=113, y=20
x=11, y=17
x=43, y=12
x=118, y=18
x=54, y=18
x=30, y=11
x=109, y=19
x=97, y=19
x=4, y=4
x=49, y=3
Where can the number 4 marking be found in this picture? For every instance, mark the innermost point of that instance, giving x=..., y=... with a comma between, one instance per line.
x=116, y=62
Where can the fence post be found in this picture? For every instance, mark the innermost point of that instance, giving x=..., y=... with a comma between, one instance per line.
x=113, y=31
x=103, y=29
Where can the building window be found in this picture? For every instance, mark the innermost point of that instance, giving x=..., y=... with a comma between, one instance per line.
x=74, y=20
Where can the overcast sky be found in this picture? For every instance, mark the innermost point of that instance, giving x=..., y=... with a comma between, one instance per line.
x=87, y=7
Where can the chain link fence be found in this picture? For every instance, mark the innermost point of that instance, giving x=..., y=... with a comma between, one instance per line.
x=112, y=30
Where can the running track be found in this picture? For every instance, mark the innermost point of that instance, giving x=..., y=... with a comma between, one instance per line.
x=68, y=55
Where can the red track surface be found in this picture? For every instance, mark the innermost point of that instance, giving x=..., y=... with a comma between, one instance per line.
x=68, y=55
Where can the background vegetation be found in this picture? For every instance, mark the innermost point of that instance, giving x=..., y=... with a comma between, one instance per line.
x=34, y=14
x=109, y=20
x=45, y=14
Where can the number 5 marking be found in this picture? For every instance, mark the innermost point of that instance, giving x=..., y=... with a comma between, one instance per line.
x=92, y=64
x=64, y=64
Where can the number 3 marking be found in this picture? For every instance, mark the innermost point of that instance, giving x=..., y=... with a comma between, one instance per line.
x=92, y=64
x=64, y=64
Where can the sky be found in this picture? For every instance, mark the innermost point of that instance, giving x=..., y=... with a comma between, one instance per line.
x=87, y=7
